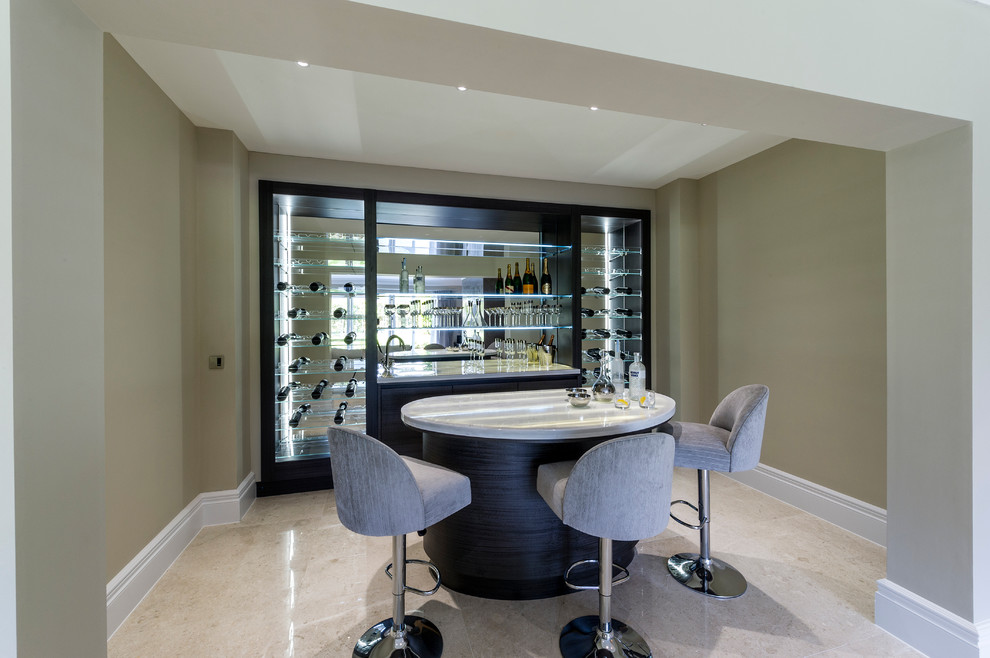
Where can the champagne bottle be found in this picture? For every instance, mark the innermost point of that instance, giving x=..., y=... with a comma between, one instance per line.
x=546, y=283
x=348, y=287
x=285, y=338
x=299, y=363
x=510, y=286
x=588, y=312
x=298, y=414
x=321, y=338
x=349, y=338
x=499, y=285
x=623, y=311
x=351, y=387
x=550, y=343
x=404, y=278
x=529, y=280
x=623, y=290
x=624, y=333
x=517, y=283
x=340, y=363
x=316, y=286
x=297, y=312
x=338, y=417
x=318, y=389
x=283, y=392
x=339, y=312
x=597, y=290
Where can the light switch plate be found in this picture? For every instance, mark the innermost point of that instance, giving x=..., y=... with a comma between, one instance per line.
x=216, y=362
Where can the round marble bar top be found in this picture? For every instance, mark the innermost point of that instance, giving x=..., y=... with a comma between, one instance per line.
x=533, y=415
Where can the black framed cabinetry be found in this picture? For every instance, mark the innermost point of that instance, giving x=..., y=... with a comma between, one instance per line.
x=334, y=295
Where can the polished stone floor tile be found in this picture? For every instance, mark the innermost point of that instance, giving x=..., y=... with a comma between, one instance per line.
x=290, y=580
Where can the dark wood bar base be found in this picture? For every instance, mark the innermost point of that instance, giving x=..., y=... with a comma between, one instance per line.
x=507, y=544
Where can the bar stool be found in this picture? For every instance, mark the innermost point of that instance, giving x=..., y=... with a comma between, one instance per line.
x=618, y=490
x=730, y=442
x=380, y=494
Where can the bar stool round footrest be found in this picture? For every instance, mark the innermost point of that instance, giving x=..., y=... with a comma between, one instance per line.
x=622, y=577
x=719, y=580
x=582, y=637
x=701, y=521
x=422, y=639
x=433, y=569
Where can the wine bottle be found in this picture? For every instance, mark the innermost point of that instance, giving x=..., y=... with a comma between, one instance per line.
x=622, y=311
x=348, y=287
x=340, y=363
x=623, y=290
x=282, y=285
x=546, y=282
x=297, y=312
x=298, y=414
x=601, y=333
x=283, y=392
x=339, y=312
x=510, y=285
x=595, y=354
x=338, y=417
x=285, y=338
x=624, y=333
x=321, y=338
x=318, y=389
x=298, y=363
x=517, y=283
x=351, y=387
x=588, y=312
x=597, y=290
x=349, y=338
x=529, y=280
x=404, y=278
x=584, y=334
x=316, y=286
x=499, y=285
x=625, y=356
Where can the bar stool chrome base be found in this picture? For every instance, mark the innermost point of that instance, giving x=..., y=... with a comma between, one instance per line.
x=719, y=581
x=583, y=638
x=422, y=640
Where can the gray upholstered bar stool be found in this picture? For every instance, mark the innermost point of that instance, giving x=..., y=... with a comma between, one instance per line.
x=381, y=494
x=730, y=442
x=618, y=490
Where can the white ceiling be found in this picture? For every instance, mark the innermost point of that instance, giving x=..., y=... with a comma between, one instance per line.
x=381, y=89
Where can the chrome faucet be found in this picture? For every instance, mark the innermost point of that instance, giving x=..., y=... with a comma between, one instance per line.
x=387, y=372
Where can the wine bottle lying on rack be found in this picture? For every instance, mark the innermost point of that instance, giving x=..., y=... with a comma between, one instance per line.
x=282, y=285
x=298, y=414
x=348, y=287
x=285, y=338
x=624, y=333
x=623, y=311
x=588, y=312
x=595, y=353
x=349, y=338
x=341, y=363
x=339, y=312
x=351, y=387
x=598, y=290
x=338, y=417
x=601, y=333
x=297, y=312
x=317, y=286
x=298, y=363
x=318, y=389
x=623, y=290
x=322, y=338
x=284, y=392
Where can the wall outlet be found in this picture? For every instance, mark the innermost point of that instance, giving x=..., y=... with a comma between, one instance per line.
x=216, y=362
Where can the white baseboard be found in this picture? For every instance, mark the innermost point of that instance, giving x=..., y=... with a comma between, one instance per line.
x=863, y=519
x=929, y=628
x=127, y=589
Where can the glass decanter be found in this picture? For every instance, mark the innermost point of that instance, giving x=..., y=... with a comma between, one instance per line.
x=603, y=390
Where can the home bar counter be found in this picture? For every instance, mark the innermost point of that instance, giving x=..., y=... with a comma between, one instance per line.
x=507, y=544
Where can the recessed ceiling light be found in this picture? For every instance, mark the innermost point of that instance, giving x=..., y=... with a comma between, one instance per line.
x=303, y=64
x=461, y=88
x=593, y=108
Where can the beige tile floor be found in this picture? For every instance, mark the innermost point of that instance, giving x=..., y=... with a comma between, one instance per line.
x=289, y=580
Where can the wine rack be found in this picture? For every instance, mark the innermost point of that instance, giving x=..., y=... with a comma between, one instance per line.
x=612, y=282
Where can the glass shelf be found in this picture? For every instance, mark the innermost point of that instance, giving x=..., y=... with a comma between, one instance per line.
x=458, y=248
x=321, y=315
x=613, y=295
x=615, y=252
x=304, y=395
x=615, y=316
x=615, y=338
x=352, y=410
x=601, y=271
x=459, y=295
x=306, y=237
x=305, y=290
x=325, y=367
x=334, y=342
x=485, y=328
x=323, y=263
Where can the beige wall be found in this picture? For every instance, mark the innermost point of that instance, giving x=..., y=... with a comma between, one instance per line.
x=151, y=470
x=790, y=292
x=58, y=329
